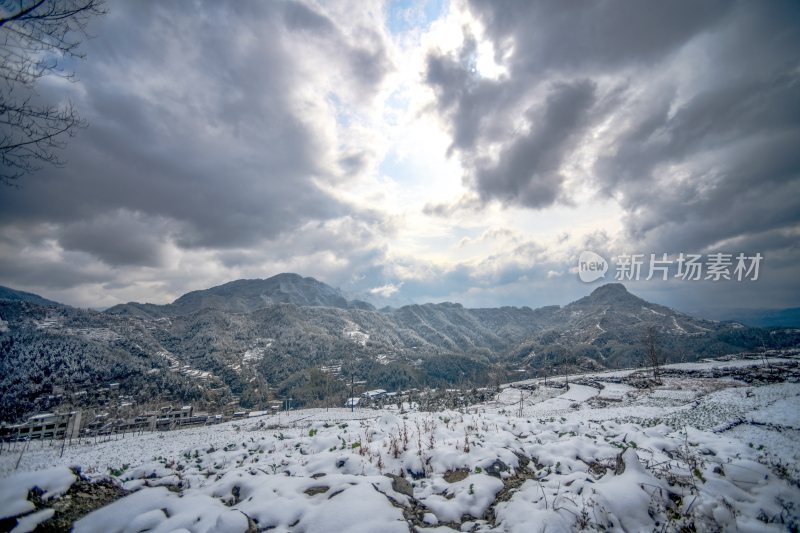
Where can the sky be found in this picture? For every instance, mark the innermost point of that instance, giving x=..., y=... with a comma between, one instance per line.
x=404, y=151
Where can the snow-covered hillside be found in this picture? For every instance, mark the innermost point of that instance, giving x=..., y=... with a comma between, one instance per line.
x=714, y=446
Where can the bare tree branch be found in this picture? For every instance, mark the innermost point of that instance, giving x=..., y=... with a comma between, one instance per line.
x=35, y=35
x=23, y=13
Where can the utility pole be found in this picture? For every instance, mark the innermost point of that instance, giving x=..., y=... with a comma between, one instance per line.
x=66, y=428
x=327, y=392
x=352, y=393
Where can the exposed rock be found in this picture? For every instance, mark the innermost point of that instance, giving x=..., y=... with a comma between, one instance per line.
x=401, y=485
x=496, y=468
x=81, y=499
x=317, y=489
x=452, y=476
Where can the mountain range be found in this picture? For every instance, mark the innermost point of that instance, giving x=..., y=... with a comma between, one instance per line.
x=289, y=335
x=248, y=295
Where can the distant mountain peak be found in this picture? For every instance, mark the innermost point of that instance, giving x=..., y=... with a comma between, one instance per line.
x=610, y=288
x=610, y=294
x=248, y=295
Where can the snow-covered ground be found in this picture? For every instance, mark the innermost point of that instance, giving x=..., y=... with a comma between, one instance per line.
x=703, y=453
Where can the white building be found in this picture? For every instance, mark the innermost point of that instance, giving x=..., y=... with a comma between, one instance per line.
x=45, y=426
x=352, y=402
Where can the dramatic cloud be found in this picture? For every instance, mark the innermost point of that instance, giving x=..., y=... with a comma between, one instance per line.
x=465, y=150
x=527, y=169
x=685, y=114
x=211, y=128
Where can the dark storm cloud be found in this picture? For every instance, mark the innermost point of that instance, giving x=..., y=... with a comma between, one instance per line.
x=39, y=271
x=737, y=145
x=694, y=160
x=465, y=99
x=540, y=42
x=527, y=170
x=693, y=118
x=554, y=36
x=117, y=239
x=197, y=135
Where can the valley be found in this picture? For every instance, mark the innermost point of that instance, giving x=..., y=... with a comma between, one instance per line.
x=249, y=343
x=712, y=446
